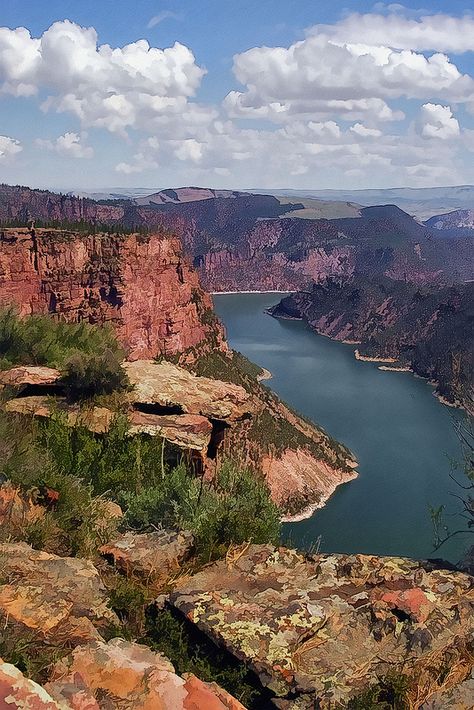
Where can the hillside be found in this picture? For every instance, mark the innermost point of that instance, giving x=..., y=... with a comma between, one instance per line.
x=425, y=329
x=142, y=285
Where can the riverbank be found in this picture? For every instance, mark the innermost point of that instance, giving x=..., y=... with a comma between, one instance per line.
x=402, y=437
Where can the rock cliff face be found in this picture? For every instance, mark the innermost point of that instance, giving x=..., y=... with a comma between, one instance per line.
x=142, y=285
x=257, y=243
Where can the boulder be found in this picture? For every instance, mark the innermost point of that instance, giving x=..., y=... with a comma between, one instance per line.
x=59, y=599
x=321, y=629
x=156, y=554
x=19, y=692
x=122, y=675
x=169, y=386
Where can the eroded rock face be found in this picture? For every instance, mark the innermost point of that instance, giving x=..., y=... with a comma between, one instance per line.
x=322, y=629
x=58, y=598
x=122, y=675
x=156, y=554
x=299, y=482
x=168, y=385
x=141, y=285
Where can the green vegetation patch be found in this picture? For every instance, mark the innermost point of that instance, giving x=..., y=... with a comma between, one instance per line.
x=88, y=356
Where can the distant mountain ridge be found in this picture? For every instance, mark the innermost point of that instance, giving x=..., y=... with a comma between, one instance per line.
x=421, y=202
x=242, y=241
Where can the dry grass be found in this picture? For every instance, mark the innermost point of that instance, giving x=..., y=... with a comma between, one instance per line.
x=440, y=670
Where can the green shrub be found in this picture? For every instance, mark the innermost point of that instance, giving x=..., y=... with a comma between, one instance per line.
x=390, y=693
x=234, y=508
x=89, y=356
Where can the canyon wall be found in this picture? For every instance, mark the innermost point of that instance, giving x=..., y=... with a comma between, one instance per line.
x=142, y=285
x=427, y=330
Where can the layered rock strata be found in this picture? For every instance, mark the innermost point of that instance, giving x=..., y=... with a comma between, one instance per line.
x=141, y=285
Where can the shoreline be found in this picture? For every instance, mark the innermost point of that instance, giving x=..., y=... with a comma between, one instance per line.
x=264, y=375
x=367, y=358
x=310, y=509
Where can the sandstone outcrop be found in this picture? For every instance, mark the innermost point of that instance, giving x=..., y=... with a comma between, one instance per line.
x=120, y=675
x=57, y=598
x=169, y=386
x=142, y=285
x=209, y=417
x=156, y=554
x=25, y=375
x=319, y=630
x=21, y=693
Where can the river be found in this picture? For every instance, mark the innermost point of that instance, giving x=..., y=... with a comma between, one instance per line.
x=402, y=436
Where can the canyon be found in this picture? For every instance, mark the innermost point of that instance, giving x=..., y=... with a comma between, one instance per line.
x=402, y=326
x=293, y=631
x=143, y=287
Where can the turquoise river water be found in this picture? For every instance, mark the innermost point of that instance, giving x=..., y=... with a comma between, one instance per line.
x=402, y=436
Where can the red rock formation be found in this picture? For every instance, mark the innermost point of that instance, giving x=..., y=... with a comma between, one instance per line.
x=142, y=285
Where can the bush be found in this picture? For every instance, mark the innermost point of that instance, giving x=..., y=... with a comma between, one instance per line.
x=86, y=375
x=234, y=508
x=89, y=356
x=191, y=652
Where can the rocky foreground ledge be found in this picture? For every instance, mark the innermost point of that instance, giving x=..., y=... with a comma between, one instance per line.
x=317, y=631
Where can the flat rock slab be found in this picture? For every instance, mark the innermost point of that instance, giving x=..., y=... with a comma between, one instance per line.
x=168, y=385
x=322, y=629
x=29, y=375
x=188, y=431
x=57, y=598
x=156, y=554
x=123, y=675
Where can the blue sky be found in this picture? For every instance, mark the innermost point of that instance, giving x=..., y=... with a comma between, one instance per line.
x=307, y=94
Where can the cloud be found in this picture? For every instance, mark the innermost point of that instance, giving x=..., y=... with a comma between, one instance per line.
x=365, y=132
x=189, y=149
x=438, y=122
x=113, y=88
x=9, y=147
x=69, y=145
x=440, y=32
x=162, y=16
x=144, y=159
x=315, y=72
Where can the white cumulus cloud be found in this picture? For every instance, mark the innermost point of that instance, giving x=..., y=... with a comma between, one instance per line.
x=111, y=87
x=439, y=32
x=69, y=145
x=438, y=122
x=9, y=147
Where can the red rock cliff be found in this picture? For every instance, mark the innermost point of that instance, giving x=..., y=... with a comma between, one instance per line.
x=142, y=285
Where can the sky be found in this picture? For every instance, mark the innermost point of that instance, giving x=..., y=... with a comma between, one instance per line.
x=302, y=94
